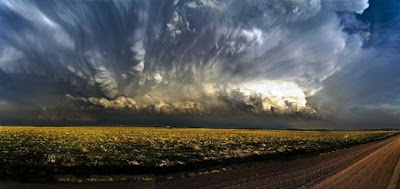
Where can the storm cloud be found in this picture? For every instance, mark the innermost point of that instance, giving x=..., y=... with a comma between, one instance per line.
x=365, y=93
x=180, y=57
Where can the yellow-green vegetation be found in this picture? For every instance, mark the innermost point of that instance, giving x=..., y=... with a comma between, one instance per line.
x=55, y=151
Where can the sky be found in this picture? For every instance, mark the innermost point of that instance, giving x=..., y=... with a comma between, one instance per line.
x=219, y=63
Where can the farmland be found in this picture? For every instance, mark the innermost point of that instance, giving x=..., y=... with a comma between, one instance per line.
x=101, y=153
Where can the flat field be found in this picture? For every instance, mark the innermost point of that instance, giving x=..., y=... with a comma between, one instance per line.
x=131, y=153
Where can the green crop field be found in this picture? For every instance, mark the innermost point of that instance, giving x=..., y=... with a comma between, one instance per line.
x=100, y=153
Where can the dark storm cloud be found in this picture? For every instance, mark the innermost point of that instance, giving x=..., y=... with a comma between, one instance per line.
x=366, y=92
x=172, y=57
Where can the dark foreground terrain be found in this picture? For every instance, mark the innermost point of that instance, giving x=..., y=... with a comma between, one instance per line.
x=134, y=154
x=372, y=165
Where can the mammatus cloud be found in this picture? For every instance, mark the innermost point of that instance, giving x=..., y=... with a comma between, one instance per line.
x=179, y=57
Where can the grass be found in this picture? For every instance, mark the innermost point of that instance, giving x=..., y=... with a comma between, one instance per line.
x=100, y=153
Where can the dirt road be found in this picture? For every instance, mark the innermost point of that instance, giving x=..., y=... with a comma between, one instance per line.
x=373, y=165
